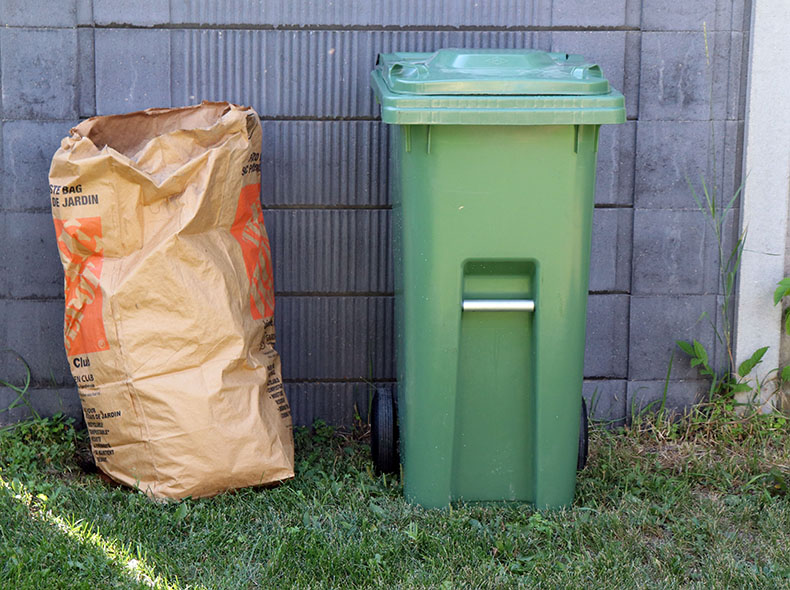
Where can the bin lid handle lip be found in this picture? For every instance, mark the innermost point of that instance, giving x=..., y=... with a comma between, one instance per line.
x=418, y=69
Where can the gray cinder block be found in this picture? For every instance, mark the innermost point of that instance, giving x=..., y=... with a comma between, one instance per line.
x=39, y=73
x=675, y=252
x=145, y=13
x=30, y=265
x=28, y=147
x=672, y=154
x=86, y=75
x=614, y=180
x=33, y=330
x=38, y=13
x=649, y=396
x=610, y=264
x=676, y=82
x=657, y=322
x=84, y=12
x=132, y=70
x=606, y=350
x=606, y=400
x=594, y=13
x=718, y=15
x=44, y=401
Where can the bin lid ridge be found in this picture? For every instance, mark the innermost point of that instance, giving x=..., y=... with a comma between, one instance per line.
x=494, y=87
x=491, y=72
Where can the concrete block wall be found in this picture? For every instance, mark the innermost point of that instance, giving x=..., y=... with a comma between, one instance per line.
x=304, y=66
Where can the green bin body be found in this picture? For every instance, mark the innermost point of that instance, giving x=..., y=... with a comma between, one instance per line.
x=492, y=173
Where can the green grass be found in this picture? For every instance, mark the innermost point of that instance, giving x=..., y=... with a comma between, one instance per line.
x=673, y=505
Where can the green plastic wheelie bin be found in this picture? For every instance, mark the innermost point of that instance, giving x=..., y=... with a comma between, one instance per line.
x=492, y=173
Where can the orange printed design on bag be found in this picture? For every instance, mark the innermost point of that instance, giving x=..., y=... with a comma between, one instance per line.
x=249, y=231
x=80, y=245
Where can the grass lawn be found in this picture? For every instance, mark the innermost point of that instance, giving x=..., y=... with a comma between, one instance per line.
x=659, y=506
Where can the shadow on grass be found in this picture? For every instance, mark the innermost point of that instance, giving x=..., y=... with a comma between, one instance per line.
x=41, y=549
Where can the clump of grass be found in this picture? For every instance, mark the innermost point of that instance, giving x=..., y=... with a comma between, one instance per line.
x=20, y=389
x=750, y=447
x=39, y=446
x=720, y=422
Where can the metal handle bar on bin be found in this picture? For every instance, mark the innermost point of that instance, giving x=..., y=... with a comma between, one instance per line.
x=498, y=305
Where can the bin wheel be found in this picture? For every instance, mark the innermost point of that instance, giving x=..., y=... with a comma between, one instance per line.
x=583, y=438
x=383, y=432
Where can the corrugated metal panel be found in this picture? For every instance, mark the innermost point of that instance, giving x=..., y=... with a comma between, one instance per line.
x=331, y=250
x=437, y=13
x=305, y=73
x=334, y=403
x=335, y=337
x=324, y=163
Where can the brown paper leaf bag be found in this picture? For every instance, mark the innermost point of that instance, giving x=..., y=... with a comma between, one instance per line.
x=169, y=299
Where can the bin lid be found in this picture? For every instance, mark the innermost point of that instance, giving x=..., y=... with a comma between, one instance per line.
x=494, y=87
x=492, y=71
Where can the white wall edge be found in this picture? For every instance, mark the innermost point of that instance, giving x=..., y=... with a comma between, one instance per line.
x=766, y=191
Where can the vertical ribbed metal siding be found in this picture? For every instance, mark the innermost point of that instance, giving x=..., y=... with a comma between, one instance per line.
x=324, y=163
x=331, y=250
x=334, y=403
x=345, y=13
x=305, y=74
x=335, y=338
